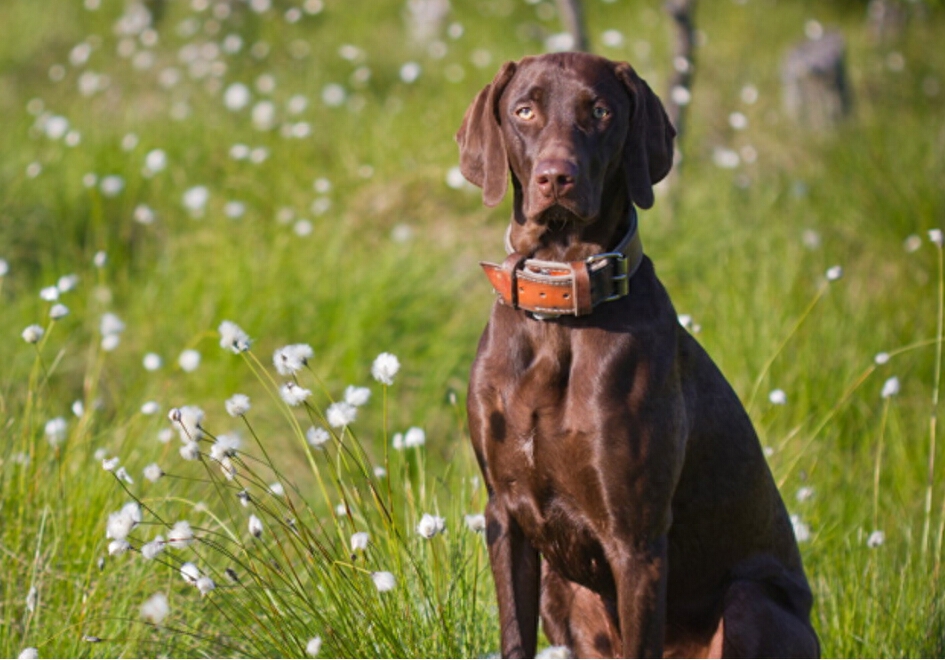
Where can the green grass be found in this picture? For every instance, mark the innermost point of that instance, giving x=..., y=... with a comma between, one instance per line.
x=391, y=265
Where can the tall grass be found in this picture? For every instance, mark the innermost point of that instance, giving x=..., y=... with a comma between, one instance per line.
x=351, y=239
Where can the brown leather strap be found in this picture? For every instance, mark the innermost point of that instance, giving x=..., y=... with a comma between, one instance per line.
x=552, y=288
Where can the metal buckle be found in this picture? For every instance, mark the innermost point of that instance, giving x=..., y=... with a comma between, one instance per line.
x=621, y=277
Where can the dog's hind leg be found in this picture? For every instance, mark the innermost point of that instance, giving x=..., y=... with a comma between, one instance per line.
x=576, y=617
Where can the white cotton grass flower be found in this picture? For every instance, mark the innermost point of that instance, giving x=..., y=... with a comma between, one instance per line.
x=187, y=419
x=55, y=431
x=155, y=609
x=341, y=414
x=49, y=293
x=876, y=539
x=317, y=437
x=110, y=342
x=384, y=580
x=359, y=541
x=189, y=360
x=804, y=493
x=110, y=464
x=67, y=283
x=313, y=647
x=100, y=258
x=801, y=529
x=122, y=474
x=4, y=267
x=244, y=498
x=415, y=437
x=236, y=97
x=154, y=161
x=118, y=547
x=357, y=396
x=255, y=526
x=294, y=394
x=152, y=362
x=205, y=585
x=150, y=408
x=110, y=324
x=153, y=472
x=290, y=359
x=121, y=522
x=777, y=397
x=890, y=388
x=58, y=311
x=937, y=237
x=190, y=451
x=233, y=337
x=475, y=522
x=385, y=367
x=195, y=200
x=32, y=334
x=277, y=489
x=430, y=525
x=226, y=445
x=881, y=358
x=181, y=535
x=190, y=573
x=32, y=599
x=237, y=405
x=29, y=653
x=834, y=273
x=228, y=468
x=153, y=548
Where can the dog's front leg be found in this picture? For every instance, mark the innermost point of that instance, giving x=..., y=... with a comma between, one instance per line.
x=640, y=575
x=516, y=569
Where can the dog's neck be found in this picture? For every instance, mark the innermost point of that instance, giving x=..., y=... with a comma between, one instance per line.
x=571, y=239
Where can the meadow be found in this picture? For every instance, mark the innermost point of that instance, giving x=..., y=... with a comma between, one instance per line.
x=208, y=198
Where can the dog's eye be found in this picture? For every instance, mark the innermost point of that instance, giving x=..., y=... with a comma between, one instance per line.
x=600, y=112
x=525, y=113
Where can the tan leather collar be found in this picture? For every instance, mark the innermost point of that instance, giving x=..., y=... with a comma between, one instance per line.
x=557, y=288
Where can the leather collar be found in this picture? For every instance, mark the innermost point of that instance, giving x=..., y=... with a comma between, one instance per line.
x=558, y=288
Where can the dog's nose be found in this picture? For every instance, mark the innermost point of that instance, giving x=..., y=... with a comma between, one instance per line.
x=555, y=178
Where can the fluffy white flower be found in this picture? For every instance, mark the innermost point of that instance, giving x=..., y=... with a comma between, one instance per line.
x=152, y=361
x=190, y=573
x=32, y=334
x=58, y=311
x=236, y=97
x=153, y=472
x=153, y=549
x=397, y=442
x=359, y=541
x=150, y=408
x=109, y=464
x=237, y=405
x=190, y=451
x=834, y=273
x=475, y=522
x=313, y=647
x=384, y=580
x=317, y=436
x=118, y=546
x=122, y=474
x=195, y=199
x=357, y=396
x=801, y=530
x=777, y=397
x=385, y=367
x=110, y=342
x=340, y=414
x=187, y=419
x=255, y=526
x=49, y=293
x=110, y=324
x=937, y=237
x=293, y=394
x=890, y=387
x=804, y=493
x=189, y=360
x=415, y=437
x=205, y=585
x=154, y=161
x=233, y=337
x=227, y=444
x=181, y=535
x=430, y=525
x=876, y=539
x=123, y=521
x=228, y=468
x=290, y=359
x=55, y=430
x=881, y=358
x=155, y=609
x=277, y=489
x=29, y=653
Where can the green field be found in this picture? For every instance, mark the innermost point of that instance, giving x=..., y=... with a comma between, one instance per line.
x=289, y=166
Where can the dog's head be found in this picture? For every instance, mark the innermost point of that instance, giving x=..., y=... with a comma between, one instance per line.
x=567, y=126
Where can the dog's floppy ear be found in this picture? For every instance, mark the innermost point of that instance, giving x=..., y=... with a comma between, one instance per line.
x=482, y=157
x=648, y=151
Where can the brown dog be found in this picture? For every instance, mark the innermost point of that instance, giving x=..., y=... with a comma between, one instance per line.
x=630, y=503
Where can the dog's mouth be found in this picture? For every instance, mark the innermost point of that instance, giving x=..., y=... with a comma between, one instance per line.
x=558, y=216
